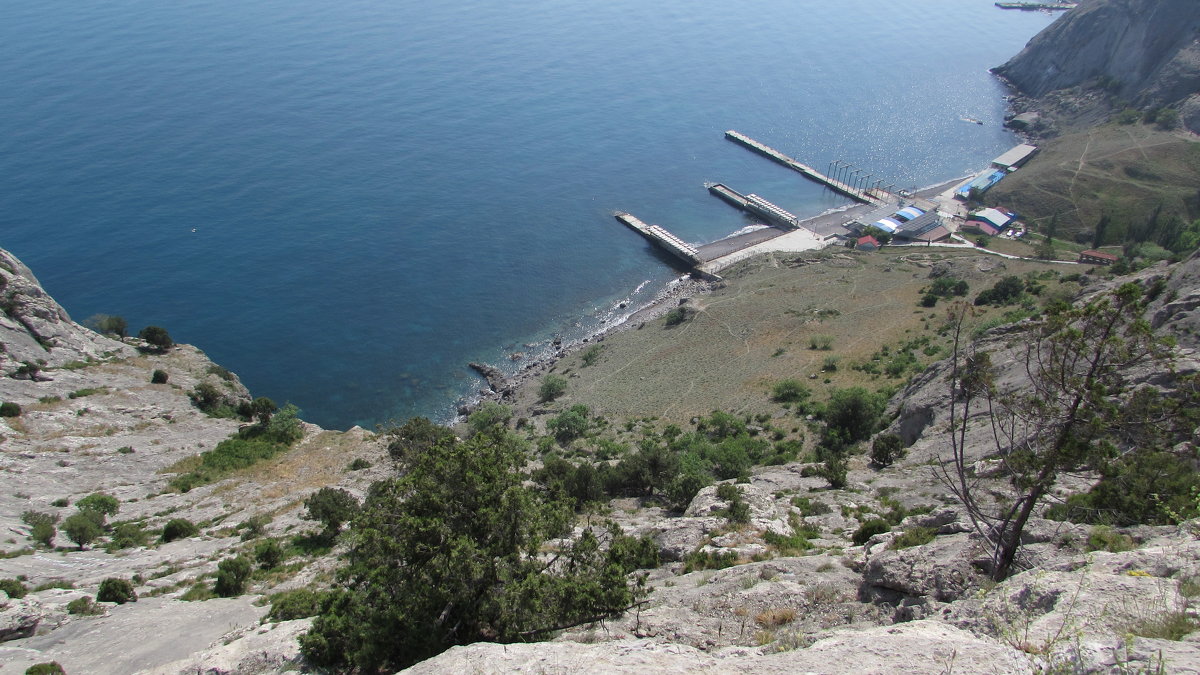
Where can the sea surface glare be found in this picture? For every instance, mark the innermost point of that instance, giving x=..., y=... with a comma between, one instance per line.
x=345, y=202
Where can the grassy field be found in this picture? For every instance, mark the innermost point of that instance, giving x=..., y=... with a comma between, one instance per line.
x=1125, y=171
x=762, y=327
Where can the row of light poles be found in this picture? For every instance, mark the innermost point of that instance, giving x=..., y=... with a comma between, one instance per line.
x=858, y=179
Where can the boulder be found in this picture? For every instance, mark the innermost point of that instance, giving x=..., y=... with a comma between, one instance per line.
x=20, y=618
x=940, y=570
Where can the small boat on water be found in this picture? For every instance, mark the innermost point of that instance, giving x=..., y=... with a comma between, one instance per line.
x=971, y=119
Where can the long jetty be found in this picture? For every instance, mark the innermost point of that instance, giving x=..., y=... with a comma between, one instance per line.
x=872, y=196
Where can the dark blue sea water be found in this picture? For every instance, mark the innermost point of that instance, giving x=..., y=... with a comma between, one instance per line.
x=346, y=201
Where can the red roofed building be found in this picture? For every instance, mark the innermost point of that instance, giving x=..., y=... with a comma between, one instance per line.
x=980, y=227
x=867, y=243
x=1097, y=258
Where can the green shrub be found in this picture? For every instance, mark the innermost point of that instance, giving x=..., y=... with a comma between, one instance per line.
x=679, y=315
x=821, y=342
x=488, y=415
x=268, y=554
x=10, y=409
x=300, y=603
x=99, y=503
x=913, y=536
x=591, y=355
x=254, y=526
x=159, y=377
x=88, y=391
x=125, y=450
x=1104, y=538
x=14, y=588
x=358, y=464
x=232, y=576
x=83, y=527
x=790, y=391
x=570, y=424
x=116, y=590
x=157, y=337
x=332, y=507
x=84, y=607
x=128, y=535
x=870, y=529
x=701, y=560
x=886, y=449
x=47, y=668
x=178, y=528
x=41, y=526
x=552, y=387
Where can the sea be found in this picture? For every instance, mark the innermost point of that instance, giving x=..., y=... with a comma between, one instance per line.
x=346, y=201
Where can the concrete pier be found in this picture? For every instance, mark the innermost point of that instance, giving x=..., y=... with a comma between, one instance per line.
x=868, y=196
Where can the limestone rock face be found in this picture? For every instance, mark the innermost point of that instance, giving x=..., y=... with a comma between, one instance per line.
x=882, y=649
x=1147, y=49
x=36, y=329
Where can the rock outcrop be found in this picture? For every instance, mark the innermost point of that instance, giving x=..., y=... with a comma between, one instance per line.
x=35, y=329
x=1144, y=51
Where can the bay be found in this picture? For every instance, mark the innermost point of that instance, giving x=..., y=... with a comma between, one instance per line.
x=346, y=202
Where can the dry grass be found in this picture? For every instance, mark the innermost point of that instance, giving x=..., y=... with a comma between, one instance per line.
x=773, y=618
x=758, y=330
x=1124, y=170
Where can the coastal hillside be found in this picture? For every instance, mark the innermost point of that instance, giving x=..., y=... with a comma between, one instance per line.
x=795, y=525
x=1143, y=52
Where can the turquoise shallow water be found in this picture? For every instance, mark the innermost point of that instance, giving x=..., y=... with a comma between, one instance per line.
x=381, y=192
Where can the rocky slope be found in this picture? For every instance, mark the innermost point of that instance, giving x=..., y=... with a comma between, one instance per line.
x=1145, y=52
x=821, y=604
x=92, y=421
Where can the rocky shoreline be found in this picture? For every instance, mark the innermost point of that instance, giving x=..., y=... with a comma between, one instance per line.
x=502, y=386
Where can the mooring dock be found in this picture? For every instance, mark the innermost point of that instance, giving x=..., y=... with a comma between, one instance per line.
x=866, y=196
x=756, y=205
x=669, y=242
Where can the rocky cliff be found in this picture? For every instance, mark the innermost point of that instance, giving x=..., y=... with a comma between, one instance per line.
x=1146, y=52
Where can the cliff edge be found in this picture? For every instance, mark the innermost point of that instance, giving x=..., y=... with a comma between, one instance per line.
x=1144, y=52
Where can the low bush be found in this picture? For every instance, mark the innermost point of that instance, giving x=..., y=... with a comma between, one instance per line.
x=47, y=668
x=679, y=315
x=10, y=409
x=358, y=464
x=300, y=603
x=84, y=606
x=1104, y=538
x=268, y=554
x=128, y=535
x=552, y=387
x=14, y=588
x=701, y=560
x=870, y=529
x=178, y=528
x=99, y=503
x=913, y=536
x=159, y=377
x=116, y=590
x=790, y=391
x=591, y=355
x=886, y=449
x=232, y=576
